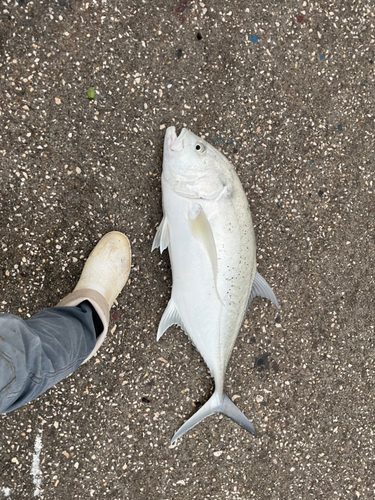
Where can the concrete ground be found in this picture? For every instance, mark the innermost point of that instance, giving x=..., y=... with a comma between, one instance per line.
x=285, y=90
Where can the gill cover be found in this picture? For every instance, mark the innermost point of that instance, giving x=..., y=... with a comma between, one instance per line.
x=192, y=168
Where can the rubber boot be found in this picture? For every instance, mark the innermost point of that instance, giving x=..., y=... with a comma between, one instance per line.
x=103, y=277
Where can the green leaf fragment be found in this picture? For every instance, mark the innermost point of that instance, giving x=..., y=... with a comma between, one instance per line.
x=90, y=93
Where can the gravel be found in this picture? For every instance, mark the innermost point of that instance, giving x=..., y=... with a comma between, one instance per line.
x=286, y=91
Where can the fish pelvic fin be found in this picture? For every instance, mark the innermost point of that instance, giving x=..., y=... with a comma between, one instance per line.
x=215, y=405
x=162, y=236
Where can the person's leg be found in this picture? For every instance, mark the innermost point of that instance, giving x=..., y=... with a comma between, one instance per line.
x=37, y=353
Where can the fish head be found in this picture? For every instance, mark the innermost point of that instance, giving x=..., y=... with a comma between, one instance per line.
x=193, y=168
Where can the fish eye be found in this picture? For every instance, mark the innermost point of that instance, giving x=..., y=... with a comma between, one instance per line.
x=199, y=147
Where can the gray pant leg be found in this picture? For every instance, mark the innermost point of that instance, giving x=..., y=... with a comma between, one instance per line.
x=37, y=353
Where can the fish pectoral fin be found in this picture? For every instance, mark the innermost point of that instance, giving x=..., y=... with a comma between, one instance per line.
x=225, y=407
x=201, y=230
x=170, y=317
x=162, y=236
x=262, y=289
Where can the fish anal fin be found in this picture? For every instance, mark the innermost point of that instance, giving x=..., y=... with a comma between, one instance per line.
x=201, y=230
x=162, y=236
x=170, y=317
x=262, y=289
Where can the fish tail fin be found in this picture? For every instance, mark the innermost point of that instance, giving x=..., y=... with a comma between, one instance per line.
x=216, y=405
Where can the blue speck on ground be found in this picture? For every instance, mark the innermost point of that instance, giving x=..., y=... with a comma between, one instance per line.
x=310, y=162
x=254, y=38
x=340, y=127
x=321, y=57
x=231, y=142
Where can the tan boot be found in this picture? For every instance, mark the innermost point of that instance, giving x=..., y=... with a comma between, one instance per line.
x=103, y=277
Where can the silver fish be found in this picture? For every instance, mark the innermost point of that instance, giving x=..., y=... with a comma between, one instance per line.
x=209, y=233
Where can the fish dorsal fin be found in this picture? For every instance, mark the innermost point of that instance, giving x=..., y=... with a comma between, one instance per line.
x=162, y=236
x=170, y=317
x=262, y=289
x=201, y=230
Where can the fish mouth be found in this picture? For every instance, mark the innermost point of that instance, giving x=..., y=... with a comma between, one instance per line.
x=174, y=142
